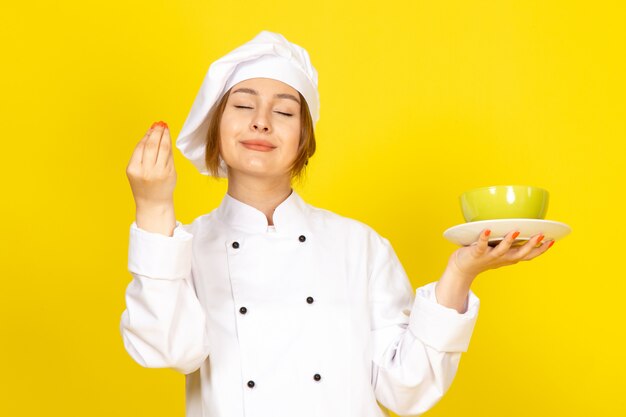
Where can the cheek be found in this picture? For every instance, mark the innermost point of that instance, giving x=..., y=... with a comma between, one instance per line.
x=292, y=138
x=228, y=132
x=293, y=147
x=225, y=126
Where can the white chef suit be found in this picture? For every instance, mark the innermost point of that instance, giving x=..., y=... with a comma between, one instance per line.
x=312, y=317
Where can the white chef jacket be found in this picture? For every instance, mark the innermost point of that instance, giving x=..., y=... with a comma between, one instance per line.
x=312, y=317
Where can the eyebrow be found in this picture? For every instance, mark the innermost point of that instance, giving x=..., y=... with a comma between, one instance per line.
x=256, y=93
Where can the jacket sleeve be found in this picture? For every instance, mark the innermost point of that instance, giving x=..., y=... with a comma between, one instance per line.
x=164, y=324
x=417, y=343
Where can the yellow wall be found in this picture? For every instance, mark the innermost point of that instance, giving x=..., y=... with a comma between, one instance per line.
x=420, y=101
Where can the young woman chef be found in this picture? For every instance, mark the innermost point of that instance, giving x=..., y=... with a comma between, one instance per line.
x=272, y=307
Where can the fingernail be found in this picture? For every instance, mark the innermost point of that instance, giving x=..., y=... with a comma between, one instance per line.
x=487, y=232
x=540, y=238
x=153, y=124
x=550, y=245
x=516, y=234
x=165, y=125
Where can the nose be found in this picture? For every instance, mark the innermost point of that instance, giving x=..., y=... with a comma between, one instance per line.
x=261, y=122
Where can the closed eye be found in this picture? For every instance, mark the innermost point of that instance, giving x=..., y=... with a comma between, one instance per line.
x=279, y=112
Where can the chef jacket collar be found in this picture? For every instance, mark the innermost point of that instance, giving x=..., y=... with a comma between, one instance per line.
x=289, y=216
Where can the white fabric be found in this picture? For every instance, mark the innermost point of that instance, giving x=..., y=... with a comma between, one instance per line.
x=268, y=55
x=374, y=342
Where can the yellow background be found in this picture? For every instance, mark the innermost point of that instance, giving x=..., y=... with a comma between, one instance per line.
x=420, y=101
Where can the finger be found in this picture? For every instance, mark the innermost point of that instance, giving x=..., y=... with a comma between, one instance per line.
x=528, y=247
x=165, y=147
x=138, y=152
x=170, y=161
x=504, y=246
x=151, y=147
x=540, y=250
x=483, y=243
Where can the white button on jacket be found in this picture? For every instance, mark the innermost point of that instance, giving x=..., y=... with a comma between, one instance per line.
x=313, y=318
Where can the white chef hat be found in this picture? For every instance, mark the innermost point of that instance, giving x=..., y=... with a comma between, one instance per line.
x=268, y=55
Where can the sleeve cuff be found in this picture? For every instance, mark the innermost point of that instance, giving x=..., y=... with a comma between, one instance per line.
x=158, y=256
x=441, y=327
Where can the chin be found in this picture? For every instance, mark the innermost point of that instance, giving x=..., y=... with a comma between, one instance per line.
x=258, y=170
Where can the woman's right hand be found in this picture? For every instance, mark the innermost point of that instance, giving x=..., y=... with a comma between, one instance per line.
x=152, y=179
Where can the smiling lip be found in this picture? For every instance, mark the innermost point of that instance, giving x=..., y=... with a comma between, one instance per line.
x=258, y=145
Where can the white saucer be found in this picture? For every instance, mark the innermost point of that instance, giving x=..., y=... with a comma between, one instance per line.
x=468, y=233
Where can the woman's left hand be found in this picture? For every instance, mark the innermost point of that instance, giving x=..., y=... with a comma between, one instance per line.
x=469, y=261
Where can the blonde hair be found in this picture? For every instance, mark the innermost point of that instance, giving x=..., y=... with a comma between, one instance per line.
x=306, y=146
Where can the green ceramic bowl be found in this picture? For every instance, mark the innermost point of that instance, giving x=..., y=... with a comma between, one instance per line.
x=504, y=202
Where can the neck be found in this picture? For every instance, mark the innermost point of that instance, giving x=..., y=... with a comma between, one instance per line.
x=264, y=194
